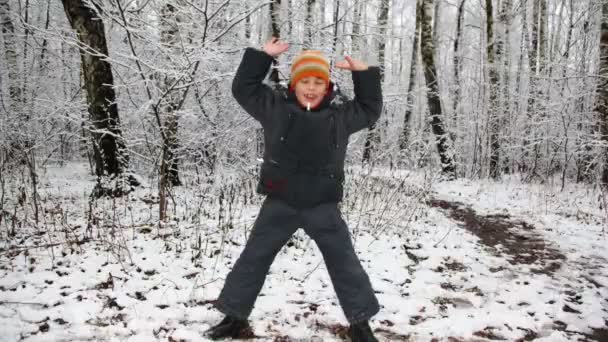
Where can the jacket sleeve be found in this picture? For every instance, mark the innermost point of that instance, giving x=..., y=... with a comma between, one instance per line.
x=255, y=97
x=364, y=110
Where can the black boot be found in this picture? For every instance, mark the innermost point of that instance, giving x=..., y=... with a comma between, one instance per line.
x=229, y=327
x=361, y=332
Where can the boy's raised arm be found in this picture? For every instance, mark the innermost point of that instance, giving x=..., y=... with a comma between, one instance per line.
x=364, y=110
x=248, y=88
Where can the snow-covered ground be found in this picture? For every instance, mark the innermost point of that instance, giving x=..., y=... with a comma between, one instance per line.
x=436, y=280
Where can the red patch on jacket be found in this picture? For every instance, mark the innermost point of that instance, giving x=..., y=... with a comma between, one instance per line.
x=276, y=185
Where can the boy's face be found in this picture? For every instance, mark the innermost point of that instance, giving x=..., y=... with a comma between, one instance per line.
x=310, y=91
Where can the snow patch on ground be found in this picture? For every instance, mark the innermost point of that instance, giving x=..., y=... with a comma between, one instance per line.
x=132, y=280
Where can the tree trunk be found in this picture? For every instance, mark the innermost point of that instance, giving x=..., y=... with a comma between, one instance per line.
x=430, y=74
x=373, y=135
x=334, y=48
x=16, y=115
x=536, y=58
x=539, y=36
x=110, y=157
x=10, y=54
x=456, y=100
x=308, y=24
x=493, y=123
x=503, y=57
x=405, y=132
x=289, y=19
x=580, y=144
x=436, y=19
x=356, y=30
x=248, y=28
x=275, y=11
x=603, y=92
x=171, y=40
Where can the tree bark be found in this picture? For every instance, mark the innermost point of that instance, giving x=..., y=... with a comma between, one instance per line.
x=588, y=128
x=503, y=57
x=10, y=54
x=373, y=135
x=308, y=24
x=110, y=157
x=442, y=139
x=536, y=58
x=356, y=30
x=603, y=93
x=334, y=43
x=170, y=40
x=493, y=124
x=275, y=10
x=289, y=19
x=405, y=132
x=456, y=100
x=17, y=117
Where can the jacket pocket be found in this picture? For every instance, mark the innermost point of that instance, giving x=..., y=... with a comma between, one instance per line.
x=318, y=189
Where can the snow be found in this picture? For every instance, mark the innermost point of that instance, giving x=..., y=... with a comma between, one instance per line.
x=136, y=281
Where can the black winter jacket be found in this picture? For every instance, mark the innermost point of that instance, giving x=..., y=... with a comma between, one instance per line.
x=304, y=151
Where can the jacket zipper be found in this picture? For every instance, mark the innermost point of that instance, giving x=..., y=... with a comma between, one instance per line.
x=289, y=124
x=334, y=131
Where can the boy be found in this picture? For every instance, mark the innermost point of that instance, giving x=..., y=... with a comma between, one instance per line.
x=305, y=136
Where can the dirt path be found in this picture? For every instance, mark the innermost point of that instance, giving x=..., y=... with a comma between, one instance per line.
x=520, y=244
x=517, y=239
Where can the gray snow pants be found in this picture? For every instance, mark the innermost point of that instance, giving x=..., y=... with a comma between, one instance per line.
x=275, y=224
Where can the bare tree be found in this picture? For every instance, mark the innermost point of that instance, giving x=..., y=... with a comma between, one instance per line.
x=110, y=154
x=334, y=43
x=356, y=28
x=430, y=74
x=503, y=58
x=172, y=41
x=603, y=91
x=373, y=135
x=308, y=24
x=275, y=29
x=10, y=54
x=405, y=132
x=457, y=66
x=15, y=146
x=536, y=59
x=493, y=124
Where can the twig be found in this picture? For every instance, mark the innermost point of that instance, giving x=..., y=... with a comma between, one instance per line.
x=22, y=303
x=311, y=272
x=23, y=248
x=603, y=190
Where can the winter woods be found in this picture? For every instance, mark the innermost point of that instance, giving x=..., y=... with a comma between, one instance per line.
x=472, y=89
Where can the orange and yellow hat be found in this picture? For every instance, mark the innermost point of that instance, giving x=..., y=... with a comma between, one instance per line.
x=309, y=63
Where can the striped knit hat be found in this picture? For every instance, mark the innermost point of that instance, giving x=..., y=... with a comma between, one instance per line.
x=309, y=63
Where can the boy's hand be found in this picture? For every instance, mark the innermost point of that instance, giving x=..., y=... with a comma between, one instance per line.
x=275, y=47
x=351, y=64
